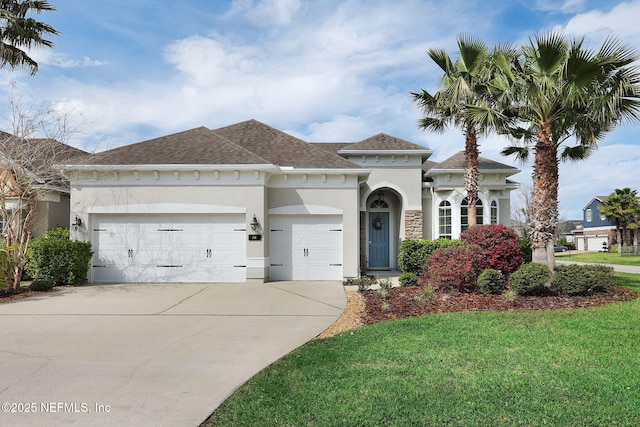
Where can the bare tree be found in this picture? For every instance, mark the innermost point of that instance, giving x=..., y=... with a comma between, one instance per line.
x=521, y=211
x=29, y=150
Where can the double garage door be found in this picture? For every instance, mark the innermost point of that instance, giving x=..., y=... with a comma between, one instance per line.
x=305, y=247
x=169, y=248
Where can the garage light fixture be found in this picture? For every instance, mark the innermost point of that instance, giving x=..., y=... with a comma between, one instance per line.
x=77, y=223
x=380, y=196
x=254, y=223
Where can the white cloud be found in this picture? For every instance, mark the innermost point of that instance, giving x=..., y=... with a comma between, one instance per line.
x=620, y=20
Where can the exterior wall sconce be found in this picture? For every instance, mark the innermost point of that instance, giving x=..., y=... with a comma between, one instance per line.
x=77, y=222
x=254, y=223
x=380, y=196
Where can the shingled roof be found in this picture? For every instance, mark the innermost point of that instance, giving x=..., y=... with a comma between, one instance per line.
x=384, y=142
x=195, y=146
x=281, y=148
x=457, y=162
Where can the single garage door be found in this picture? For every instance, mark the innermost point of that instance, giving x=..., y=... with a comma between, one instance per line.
x=305, y=247
x=596, y=243
x=169, y=248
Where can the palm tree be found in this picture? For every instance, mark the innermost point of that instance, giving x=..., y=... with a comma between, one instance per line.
x=621, y=206
x=461, y=85
x=560, y=90
x=19, y=31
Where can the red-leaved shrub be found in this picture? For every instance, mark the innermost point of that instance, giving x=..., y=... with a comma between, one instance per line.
x=454, y=268
x=500, y=246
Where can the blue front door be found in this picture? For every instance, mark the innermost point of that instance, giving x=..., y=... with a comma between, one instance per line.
x=378, y=239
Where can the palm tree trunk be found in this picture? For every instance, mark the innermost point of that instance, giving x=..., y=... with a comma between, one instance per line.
x=471, y=172
x=544, y=198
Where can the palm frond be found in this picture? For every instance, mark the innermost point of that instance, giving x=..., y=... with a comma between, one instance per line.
x=577, y=153
x=520, y=153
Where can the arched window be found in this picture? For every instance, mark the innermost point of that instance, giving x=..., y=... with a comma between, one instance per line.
x=444, y=220
x=464, y=214
x=379, y=204
x=494, y=212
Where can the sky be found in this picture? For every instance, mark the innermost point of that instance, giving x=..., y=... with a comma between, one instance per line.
x=125, y=71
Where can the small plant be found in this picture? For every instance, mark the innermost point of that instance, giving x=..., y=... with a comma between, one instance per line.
x=445, y=297
x=530, y=279
x=383, y=293
x=363, y=282
x=40, y=286
x=428, y=291
x=408, y=279
x=386, y=306
x=491, y=281
x=385, y=283
x=510, y=295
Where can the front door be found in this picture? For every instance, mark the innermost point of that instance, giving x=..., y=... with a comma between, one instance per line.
x=379, y=240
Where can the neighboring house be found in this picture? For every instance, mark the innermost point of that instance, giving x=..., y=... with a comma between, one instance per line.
x=249, y=203
x=597, y=232
x=36, y=155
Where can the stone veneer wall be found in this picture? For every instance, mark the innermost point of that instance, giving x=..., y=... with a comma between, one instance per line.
x=413, y=222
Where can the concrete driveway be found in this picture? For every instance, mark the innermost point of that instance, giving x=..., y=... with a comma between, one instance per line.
x=161, y=354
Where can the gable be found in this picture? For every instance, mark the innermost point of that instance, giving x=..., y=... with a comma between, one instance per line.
x=281, y=148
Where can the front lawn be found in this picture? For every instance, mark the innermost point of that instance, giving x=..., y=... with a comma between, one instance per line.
x=532, y=368
x=599, y=257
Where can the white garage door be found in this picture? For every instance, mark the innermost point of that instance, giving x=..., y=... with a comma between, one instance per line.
x=169, y=248
x=305, y=247
x=596, y=243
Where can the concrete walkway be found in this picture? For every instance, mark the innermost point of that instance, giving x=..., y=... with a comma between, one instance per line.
x=161, y=355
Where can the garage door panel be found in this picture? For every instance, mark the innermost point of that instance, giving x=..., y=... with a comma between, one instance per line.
x=169, y=248
x=305, y=247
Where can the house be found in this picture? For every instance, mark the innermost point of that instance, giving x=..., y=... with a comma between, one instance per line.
x=27, y=175
x=249, y=203
x=597, y=232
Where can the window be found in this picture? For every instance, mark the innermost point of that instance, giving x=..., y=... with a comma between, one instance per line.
x=379, y=204
x=589, y=215
x=464, y=214
x=444, y=216
x=494, y=212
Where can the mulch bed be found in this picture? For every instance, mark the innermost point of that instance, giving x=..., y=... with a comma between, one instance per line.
x=404, y=302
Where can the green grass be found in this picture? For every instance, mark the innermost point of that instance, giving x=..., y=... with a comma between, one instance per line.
x=560, y=368
x=599, y=257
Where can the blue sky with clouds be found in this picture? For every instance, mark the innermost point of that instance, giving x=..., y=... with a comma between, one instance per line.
x=131, y=70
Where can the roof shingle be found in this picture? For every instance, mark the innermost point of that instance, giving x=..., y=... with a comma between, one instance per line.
x=281, y=148
x=195, y=146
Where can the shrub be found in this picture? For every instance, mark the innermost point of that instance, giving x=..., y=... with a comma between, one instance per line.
x=454, y=268
x=530, y=279
x=491, y=281
x=500, y=246
x=413, y=253
x=53, y=258
x=408, y=279
x=40, y=286
x=576, y=279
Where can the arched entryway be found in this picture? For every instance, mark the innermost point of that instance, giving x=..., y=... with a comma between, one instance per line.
x=381, y=229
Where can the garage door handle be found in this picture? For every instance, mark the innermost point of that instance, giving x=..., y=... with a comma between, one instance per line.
x=130, y=253
x=335, y=265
